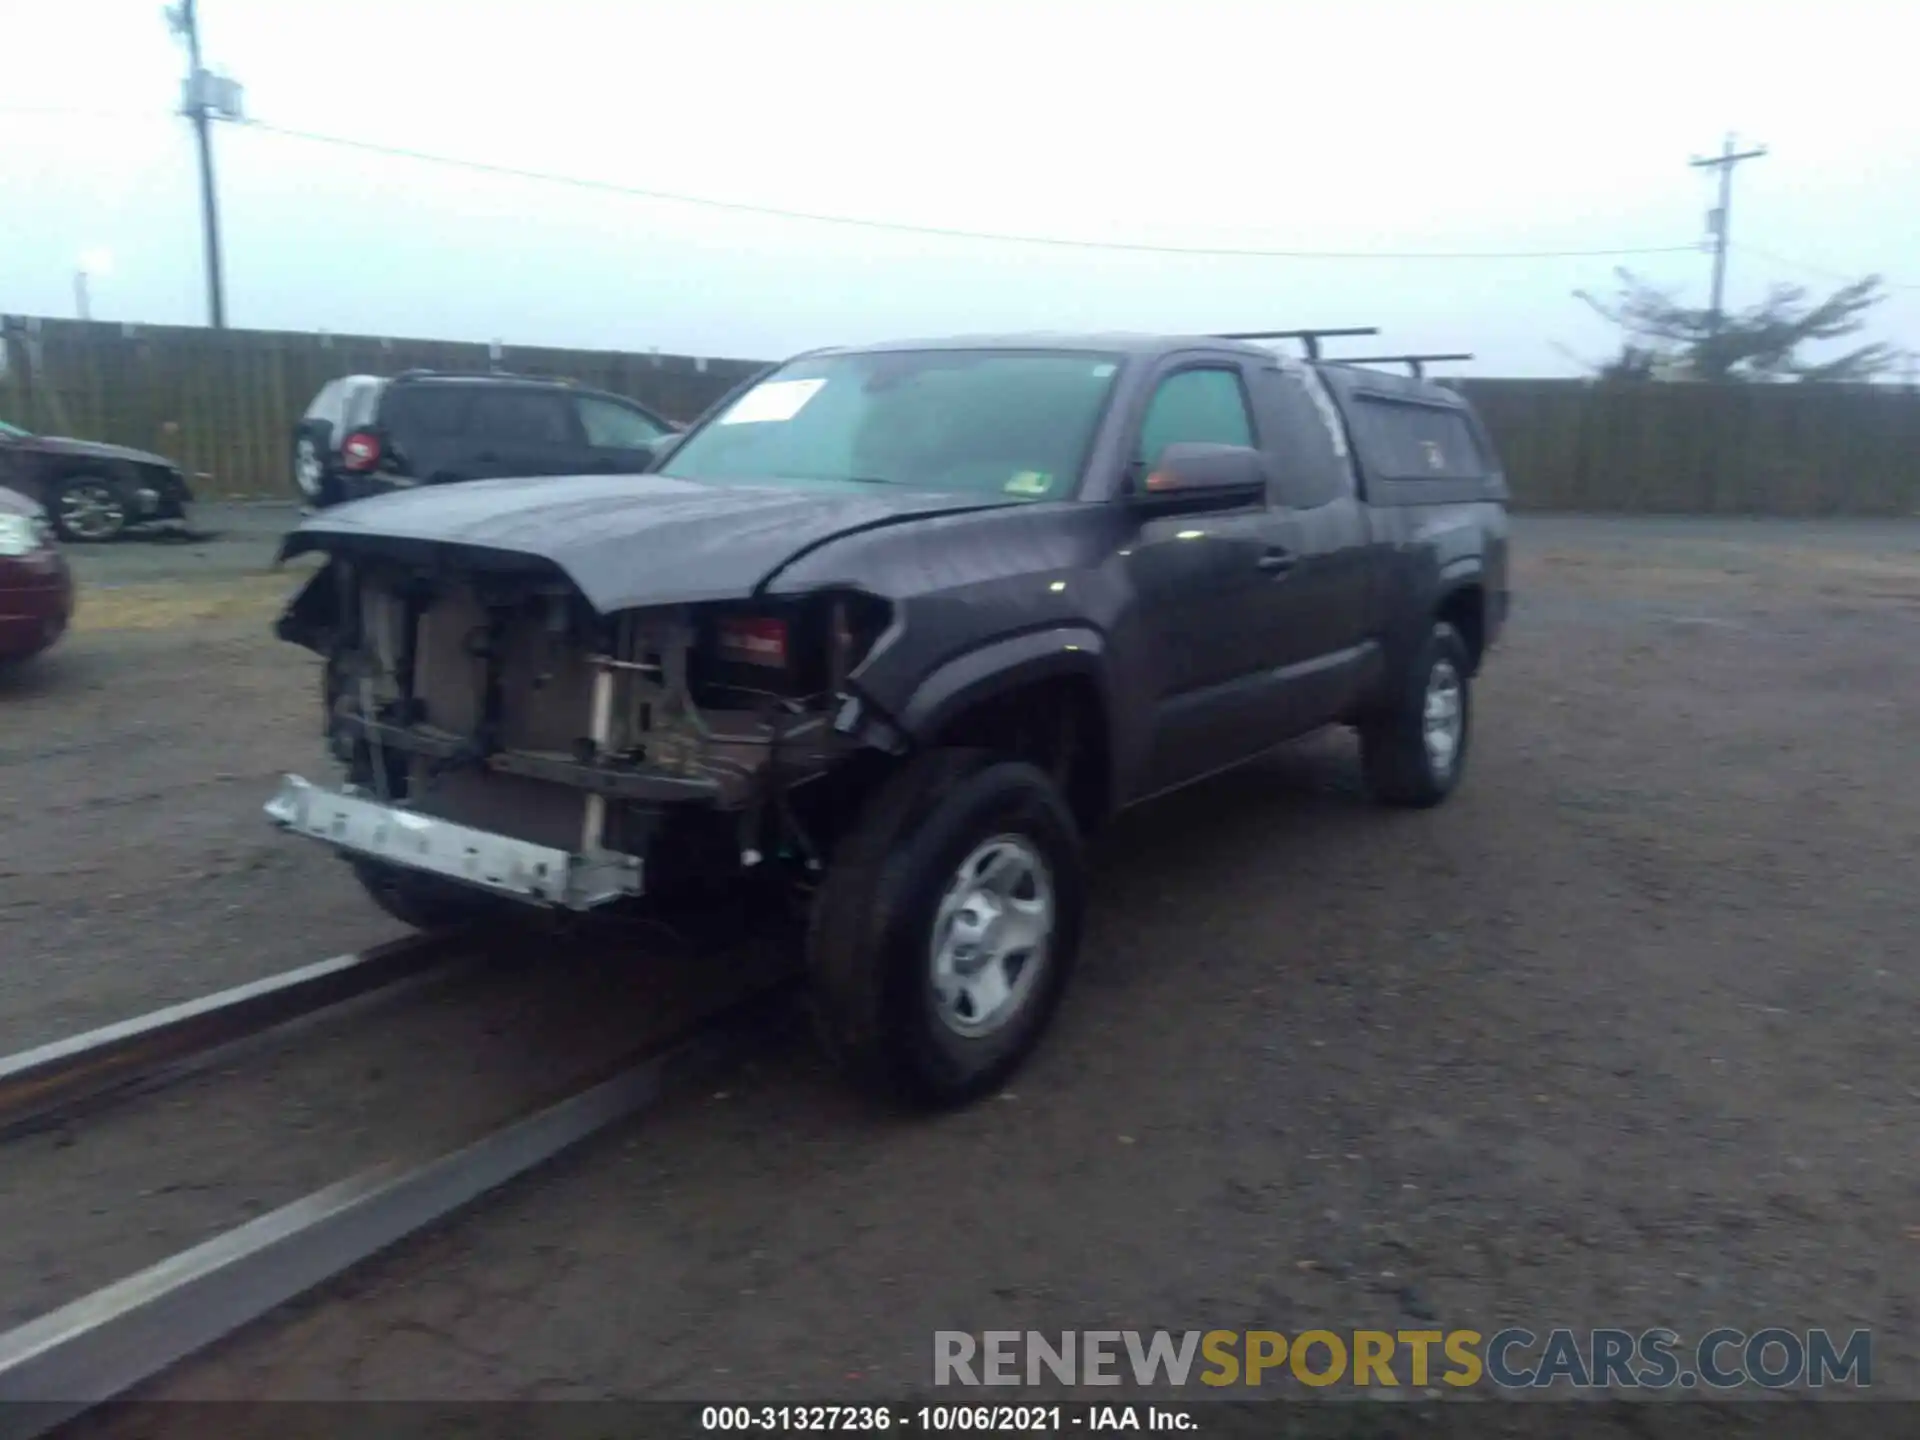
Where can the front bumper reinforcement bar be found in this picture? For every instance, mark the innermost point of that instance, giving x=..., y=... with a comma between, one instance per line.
x=537, y=874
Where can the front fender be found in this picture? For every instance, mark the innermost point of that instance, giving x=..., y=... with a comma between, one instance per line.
x=31, y=476
x=311, y=617
x=1000, y=666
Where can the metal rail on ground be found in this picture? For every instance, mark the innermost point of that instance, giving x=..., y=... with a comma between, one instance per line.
x=105, y=1344
x=36, y=1084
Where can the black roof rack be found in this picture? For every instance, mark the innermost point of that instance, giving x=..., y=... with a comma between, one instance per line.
x=1309, y=338
x=1415, y=363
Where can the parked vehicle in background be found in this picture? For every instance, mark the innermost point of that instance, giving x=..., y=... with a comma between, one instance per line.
x=90, y=490
x=36, y=587
x=890, y=633
x=365, y=435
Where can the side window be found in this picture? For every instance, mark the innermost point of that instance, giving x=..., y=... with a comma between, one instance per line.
x=1196, y=407
x=329, y=405
x=426, y=412
x=1310, y=470
x=538, y=417
x=1404, y=441
x=612, y=426
x=362, y=400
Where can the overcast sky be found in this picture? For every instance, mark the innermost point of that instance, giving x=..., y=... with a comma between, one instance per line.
x=1371, y=130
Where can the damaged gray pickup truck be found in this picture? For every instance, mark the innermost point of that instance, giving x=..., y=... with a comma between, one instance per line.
x=889, y=633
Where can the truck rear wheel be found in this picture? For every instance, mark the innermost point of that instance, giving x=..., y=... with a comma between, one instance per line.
x=1412, y=754
x=946, y=929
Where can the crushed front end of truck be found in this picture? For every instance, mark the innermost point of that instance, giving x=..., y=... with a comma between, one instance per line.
x=499, y=731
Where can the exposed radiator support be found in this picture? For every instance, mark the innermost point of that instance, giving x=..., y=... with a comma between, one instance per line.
x=594, y=825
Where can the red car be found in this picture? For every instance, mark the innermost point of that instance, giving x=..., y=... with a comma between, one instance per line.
x=36, y=588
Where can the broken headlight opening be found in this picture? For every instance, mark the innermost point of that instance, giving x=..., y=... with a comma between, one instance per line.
x=505, y=705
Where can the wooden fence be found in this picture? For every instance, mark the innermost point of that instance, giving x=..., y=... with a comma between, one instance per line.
x=223, y=404
x=1702, y=449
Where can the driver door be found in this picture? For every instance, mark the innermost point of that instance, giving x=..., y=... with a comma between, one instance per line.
x=1204, y=597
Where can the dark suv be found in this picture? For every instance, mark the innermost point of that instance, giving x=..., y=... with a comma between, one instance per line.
x=886, y=636
x=364, y=434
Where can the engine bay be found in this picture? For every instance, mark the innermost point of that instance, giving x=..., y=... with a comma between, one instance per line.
x=505, y=703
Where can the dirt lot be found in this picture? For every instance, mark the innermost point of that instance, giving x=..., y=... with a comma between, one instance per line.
x=1623, y=1035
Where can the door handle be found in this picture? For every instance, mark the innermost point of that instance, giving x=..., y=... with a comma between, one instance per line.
x=1277, y=562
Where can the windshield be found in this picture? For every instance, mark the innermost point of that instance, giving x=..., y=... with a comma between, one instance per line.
x=13, y=430
x=998, y=422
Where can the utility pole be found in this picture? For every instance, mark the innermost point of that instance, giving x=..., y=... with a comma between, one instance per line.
x=204, y=97
x=1717, y=221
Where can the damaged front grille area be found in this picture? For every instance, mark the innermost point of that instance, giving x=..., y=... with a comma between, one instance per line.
x=506, y=706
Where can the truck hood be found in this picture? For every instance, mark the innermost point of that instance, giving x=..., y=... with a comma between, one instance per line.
x=628, y=540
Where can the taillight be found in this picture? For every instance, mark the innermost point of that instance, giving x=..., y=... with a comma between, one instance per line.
x=753, y=641
x=360, y=450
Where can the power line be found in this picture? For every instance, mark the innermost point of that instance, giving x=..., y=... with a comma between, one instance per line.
x=1821, y=271
x=709, y=202
x=945, y=232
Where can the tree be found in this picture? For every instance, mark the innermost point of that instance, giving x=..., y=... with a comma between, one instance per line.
x=1634, y=362
x=1761, y=343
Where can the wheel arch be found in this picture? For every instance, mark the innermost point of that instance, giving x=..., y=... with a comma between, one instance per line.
x=1045, y=696
x=57, y=469
x=1461, y=601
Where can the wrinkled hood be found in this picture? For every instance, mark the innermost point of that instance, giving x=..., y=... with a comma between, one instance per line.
x=628, y=540
x=91, y=449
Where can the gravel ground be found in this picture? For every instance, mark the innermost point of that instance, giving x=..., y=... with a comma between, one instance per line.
x=1622, y=1035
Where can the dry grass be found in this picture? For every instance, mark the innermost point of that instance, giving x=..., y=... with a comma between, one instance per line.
x=1732, y=568
x=171, y=604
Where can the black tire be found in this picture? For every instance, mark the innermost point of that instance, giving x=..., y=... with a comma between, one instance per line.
x=326, y=490
x=1400, y=767
x=869, y=940
x=424, y=902
x=89, y=509
x=415, y=899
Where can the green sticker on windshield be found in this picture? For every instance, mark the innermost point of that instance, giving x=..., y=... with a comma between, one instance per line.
x=1030, y=482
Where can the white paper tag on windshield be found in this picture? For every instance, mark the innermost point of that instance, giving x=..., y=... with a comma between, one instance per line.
x=775, y=400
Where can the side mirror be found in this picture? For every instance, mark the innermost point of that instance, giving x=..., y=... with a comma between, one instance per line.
x=1204, y=469
x=659, y=450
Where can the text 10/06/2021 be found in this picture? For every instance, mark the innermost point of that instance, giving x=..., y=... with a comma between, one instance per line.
x=945, y=1419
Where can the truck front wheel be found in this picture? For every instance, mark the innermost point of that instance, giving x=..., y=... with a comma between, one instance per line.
x=946, y=929
x=1413, y=752
x=422, y=902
